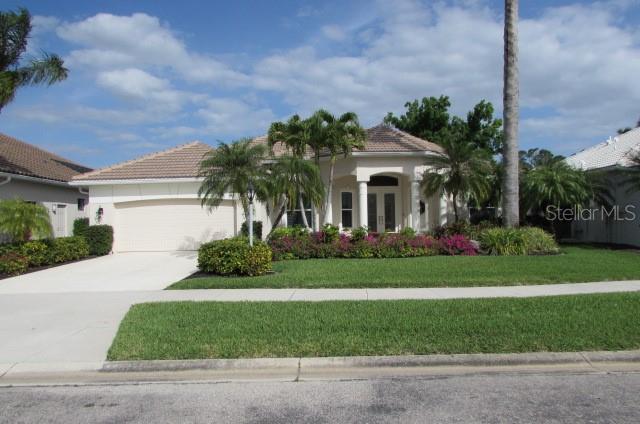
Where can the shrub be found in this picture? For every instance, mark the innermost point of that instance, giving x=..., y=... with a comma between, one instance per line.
x=80, y=226
x=330, y=233
x=65, y=249
x=234, y=257
x=457, y=244
x=257, y=229
x=12, y=263
x=539, y=242
x=408, y=232
x=37, y=252
x=21, y=220
x=100, y=239
x=359, y=233
x=517, y=241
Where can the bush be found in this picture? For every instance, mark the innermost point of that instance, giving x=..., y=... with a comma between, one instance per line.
x=65, y=249
x=517, y=241
x=37, y=252
x=257, y=229
x=359, y=233
x=457, y=244
x=408, y=232
x=234, y=257
x=80, y=226
x=12, y=263
x=100, y=239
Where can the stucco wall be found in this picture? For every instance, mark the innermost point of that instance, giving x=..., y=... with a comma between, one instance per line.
x=50, y=196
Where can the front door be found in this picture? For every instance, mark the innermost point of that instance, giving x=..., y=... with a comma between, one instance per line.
x=383, y=210
x=59, y=220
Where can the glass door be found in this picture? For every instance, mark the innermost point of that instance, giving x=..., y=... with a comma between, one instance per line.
x=382, y=211
x=372, y=212
x=389, y=212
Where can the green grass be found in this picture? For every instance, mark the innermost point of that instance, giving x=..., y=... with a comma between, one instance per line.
x=193, y=330
x=575, y=264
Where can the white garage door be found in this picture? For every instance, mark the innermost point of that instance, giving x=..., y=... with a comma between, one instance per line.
x=168, y=225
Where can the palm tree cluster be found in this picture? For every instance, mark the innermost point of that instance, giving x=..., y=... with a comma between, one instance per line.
x=282, y=181
x=15, y=28
x=22, y=220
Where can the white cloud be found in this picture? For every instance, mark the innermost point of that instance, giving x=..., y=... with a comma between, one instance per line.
x=334, y=32
x=42, y=24
x=140, y=40
x=229, y=116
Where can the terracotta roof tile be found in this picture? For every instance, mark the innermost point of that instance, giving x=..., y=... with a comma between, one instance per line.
x=178, y=162
x=18, y=157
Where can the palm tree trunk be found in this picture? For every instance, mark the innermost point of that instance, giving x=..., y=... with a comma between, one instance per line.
x=276, y=221
x=510, y=189
x=455, y=206
x=328, y=210
x=303, y=212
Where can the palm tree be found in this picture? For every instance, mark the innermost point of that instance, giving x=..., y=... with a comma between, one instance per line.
x=228, y=169
x=293, y=178
x=22, y=220
x=555, y=183
x=633, y=175
x=461, y=172
x=15, y=28
x=342, y=135
x=510, y=196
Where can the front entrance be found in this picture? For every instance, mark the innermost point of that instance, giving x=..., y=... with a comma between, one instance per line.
x=383, y=209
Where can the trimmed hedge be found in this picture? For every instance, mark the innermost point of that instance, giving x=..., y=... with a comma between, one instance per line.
x=16, y=258
x=234, y=257
x=100, y=239
x=80, y=226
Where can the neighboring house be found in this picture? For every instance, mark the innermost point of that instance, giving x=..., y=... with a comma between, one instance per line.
x=35, y=175
x=622, y=225
x=152, y=202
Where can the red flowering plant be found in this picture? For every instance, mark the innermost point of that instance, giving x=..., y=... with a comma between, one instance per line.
x=457, y=244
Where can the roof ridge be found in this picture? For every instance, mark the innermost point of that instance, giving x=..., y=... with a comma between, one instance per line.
x=41, y=150
x=138, y=159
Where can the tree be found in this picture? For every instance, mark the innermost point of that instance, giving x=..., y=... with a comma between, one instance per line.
x=22, y=220
x=343, y=134
x=532, y=158
x=462, y=172
x=430, y=120
x=228, y=169
x=627, y=129
x=633, y=174
x=15, y=28
x=293, y=178
x=510, y=195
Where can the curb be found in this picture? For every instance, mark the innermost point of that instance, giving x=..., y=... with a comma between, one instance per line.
x=408, y=361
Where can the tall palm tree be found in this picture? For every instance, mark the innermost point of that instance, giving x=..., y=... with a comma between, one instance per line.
x=633, y=174
x=510, y=196
x=15, y=28
x=228, y=169
x=22, y=220
x=293, y=178
x=343, y=134
x=461, y=172
x=294, y=134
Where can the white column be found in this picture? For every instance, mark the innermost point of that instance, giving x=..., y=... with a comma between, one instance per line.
x=283, y=220
x=415, y=205
x=362, y=203
x=442, y=219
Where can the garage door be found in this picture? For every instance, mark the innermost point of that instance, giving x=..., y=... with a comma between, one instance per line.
x=168, y=225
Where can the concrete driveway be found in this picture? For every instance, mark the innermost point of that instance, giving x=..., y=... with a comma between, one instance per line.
x=139, y=271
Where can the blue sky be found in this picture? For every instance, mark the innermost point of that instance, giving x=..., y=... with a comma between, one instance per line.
x=147, y=75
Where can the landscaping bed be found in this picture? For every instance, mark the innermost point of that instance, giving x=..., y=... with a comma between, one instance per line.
x=574, y=264
x=199, y=330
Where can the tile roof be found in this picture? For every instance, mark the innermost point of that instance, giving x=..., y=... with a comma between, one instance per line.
x=178, y=162
x=379, y=139
x=18, y=157
x=613, y=152
x=184, y=161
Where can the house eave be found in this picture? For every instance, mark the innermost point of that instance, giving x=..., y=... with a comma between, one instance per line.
x=421, y=153
x=136, y=181
x=34, y=179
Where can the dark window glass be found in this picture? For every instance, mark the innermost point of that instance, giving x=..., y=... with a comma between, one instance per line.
x=382, y=181
x=389, y=212
x=347, y=219
x=81, y=204
x=347, y=200
x=372, y=212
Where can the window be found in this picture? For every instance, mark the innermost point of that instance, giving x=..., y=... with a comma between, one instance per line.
x=382, y=181
x=81, y=204
x=347, y=209
x=294, y=216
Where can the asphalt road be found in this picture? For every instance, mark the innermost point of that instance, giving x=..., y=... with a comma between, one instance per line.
x=501, y=398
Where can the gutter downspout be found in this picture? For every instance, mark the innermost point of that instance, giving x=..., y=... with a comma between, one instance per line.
x=82, y=191
x=7, y=181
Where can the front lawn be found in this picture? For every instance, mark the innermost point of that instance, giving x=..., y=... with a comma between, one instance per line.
x=575, y=264
x=196, y=330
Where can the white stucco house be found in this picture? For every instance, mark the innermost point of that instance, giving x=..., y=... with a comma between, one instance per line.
x=622, y=224
x=35, y=175
x=153, y=205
